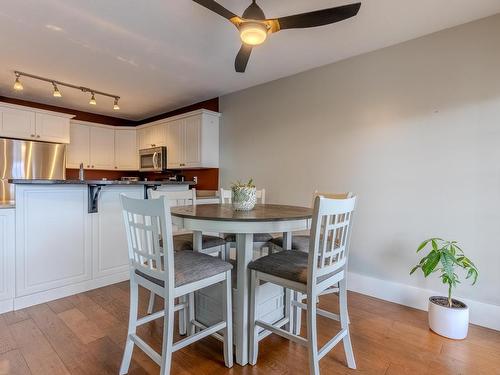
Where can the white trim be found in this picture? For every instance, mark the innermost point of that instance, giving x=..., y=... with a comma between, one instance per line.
x=178, y=117
x=36, y=110
x=482, y=314
x=65, y=291
x=99, y=125
x=6, y=306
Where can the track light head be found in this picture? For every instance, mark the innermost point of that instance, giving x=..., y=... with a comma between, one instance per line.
x=92, y=100
x=18, y=86
x=116, y=106
x=56, y=93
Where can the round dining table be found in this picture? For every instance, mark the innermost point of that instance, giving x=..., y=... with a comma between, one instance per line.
x=264, y=218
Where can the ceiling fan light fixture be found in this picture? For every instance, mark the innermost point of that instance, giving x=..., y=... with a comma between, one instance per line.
x=253, y=33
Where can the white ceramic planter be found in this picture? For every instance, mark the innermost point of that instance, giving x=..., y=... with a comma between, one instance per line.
x=451, y=322
x=243, y=198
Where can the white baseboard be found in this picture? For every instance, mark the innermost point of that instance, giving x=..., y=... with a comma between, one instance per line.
x=6, y=306
x=482, y=314
x=65, y=291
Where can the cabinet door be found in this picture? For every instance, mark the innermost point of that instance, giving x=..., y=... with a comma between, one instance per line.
x=109, y=239
x=175, y=144
x=16, y=123
x=192, y=141
x=53, y=238
x=143, y=138
x=102, y=148
x=78, y=151
x=158, y=135
x=7, y=253
x=126, y=157
x=51, y=128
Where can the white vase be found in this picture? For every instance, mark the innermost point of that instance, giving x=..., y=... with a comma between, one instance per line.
x=243, y=198
x=451, y=322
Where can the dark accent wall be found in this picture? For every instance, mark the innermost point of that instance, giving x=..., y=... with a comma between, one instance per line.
x=211, y=104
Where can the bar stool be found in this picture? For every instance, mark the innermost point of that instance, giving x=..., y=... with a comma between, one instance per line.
x=310, y=274
x=184, y=241
x=301, y=242
x=171, y=275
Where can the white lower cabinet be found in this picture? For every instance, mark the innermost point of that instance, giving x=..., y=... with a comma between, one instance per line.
x=7, y=258
x=53, y=247
x=109, y=241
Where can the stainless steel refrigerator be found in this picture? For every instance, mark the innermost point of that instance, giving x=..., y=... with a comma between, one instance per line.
x=29, y=160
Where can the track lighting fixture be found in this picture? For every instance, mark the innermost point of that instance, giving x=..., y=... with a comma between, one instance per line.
x=17, y=84
x=56, y=93
x=56, y=84
x=92, y=100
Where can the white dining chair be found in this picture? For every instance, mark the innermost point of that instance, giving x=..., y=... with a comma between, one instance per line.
x=184, y=240
x=301, y=242
x=310, y=273
x=170, y=274
x=260, y=240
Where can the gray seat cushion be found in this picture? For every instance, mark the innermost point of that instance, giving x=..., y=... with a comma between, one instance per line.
x=257, y=237
x=185, y=241
x=192, y=266
x=299, y=242
x=290, y=265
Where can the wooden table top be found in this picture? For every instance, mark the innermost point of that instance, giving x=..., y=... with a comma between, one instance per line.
x=225, y=212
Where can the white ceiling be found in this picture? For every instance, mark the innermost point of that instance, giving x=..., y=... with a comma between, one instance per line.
x=159, y=55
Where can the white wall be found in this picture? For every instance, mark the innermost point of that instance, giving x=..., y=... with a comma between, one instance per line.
x=413, y=129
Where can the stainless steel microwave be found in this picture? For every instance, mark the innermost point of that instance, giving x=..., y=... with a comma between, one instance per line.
x=153, y=159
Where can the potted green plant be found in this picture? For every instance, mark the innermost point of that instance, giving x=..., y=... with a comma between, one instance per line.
x=243, y=195
x=447, y=316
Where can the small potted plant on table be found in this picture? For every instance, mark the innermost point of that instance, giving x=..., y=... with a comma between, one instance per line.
x=447, y=316
x=243, y=196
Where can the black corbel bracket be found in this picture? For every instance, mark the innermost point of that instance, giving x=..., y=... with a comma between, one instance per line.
x=146, y=187
x=93, y=195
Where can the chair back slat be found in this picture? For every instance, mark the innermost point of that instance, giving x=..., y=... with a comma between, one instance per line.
x=175, y=198
x=330, y=233
x=225, y=196
x=148, y=226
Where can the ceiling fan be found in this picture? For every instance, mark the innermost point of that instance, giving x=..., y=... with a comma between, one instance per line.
x=254, y=26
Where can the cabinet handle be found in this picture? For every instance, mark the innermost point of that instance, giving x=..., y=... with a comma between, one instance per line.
x=116, y=167
x=88, y=166
x=153, y=145
x=32, y=135
x=92, y=166
x=38, y=136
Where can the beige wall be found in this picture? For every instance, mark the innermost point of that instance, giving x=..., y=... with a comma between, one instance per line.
x=413, y=129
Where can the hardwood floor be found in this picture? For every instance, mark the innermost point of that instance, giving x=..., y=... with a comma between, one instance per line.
x=85, y=334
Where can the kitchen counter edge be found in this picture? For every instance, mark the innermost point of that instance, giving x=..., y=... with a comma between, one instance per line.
x=97, y=182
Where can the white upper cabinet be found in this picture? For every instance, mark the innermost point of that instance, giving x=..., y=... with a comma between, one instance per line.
x=126, y=157
x=23, y=123
x=152, y=136
x=52, y=128
x=192, y=140
x=102, y=148
x=78, y=151
x=175, y=143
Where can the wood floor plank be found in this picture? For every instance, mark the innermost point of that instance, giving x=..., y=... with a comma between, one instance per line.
x=61, y=305
x=13, y=363
x=36, y=350
x=85, y=329
x=15, y=316
x=7, y=342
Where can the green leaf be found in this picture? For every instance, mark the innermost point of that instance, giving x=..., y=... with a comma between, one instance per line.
x=414, y=269
x=422, y=245
x=431, y=263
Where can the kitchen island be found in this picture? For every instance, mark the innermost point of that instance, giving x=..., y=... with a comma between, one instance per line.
x=69, y=237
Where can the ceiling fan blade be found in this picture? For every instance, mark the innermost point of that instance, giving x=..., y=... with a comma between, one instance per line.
x=217, y=8
x=240, y=64
x=319, y=17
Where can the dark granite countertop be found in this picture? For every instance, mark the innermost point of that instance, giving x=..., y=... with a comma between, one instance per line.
x=97, y=182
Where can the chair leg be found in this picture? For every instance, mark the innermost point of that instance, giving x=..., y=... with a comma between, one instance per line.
x=344, y=323
x=132, y=325
x=151, y=303
x=182, y=317
x=191, y=315
x=168, y=336
x=228, y=318
x=312, y=335
x=227, y=251
x=254, y=334
x=298, y=314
